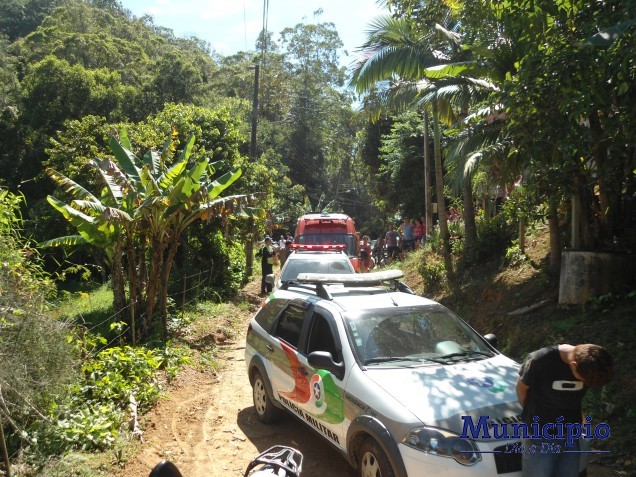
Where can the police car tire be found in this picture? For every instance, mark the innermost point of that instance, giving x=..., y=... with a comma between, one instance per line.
x=372, y=461
x=265, y=409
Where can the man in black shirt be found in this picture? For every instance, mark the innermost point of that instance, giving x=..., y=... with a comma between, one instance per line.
x=552, y=383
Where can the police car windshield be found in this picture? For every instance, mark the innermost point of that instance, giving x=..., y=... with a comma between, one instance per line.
x=426, y=334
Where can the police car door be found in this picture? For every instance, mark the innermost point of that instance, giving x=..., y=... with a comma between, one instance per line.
x=288, y=376
x=324, y=409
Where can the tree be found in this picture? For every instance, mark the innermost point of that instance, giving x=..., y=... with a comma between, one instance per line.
x=311, y=60
x=18, y=18
x=9, y=87
x=401, y=181
x=142, y=213
x=397, y=50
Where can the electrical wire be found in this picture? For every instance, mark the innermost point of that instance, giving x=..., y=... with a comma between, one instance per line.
x=245, y=23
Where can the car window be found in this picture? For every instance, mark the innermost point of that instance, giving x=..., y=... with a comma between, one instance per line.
x=289, y=325
x=294, y=267
x=265, y=317
x=321, y=338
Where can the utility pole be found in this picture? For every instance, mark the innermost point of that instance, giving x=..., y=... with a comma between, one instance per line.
x=249, y=249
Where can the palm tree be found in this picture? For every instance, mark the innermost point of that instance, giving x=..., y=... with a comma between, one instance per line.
x=430, y=70
x=396, y=55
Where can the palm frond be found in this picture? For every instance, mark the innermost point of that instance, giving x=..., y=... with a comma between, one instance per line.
x=71, y=187
x=68, y=241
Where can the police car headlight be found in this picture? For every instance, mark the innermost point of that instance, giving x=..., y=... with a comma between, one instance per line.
x=443, y=443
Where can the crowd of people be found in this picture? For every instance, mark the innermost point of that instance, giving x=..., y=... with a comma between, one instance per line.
x=407, y=236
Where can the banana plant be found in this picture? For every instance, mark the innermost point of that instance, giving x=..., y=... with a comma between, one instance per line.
x=142, y=211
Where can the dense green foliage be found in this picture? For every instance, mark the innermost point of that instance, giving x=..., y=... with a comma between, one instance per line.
x=144, y=209
x=527, y=91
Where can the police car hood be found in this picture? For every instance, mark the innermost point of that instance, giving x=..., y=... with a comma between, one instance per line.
x=439, y=395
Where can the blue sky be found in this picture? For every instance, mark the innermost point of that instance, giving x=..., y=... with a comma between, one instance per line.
x=233, y=25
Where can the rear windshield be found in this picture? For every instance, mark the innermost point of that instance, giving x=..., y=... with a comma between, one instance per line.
x=331, y=239
x=294, y=267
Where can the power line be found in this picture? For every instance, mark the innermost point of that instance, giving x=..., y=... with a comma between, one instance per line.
x=245, y=23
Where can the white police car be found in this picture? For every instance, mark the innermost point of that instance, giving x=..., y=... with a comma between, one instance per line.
x=393, y=380
x=327, y=259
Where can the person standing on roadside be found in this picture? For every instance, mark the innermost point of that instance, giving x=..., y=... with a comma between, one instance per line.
x=282, y=250
x=551, y=385
x=408, y=240
x=267, y=254
x=392, y=242
x=366, y=262
x=418, y=232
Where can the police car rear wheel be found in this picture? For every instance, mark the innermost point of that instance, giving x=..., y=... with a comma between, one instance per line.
x=373, y=461
x=265, y=409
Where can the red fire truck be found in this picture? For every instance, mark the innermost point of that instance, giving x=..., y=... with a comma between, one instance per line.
x=329, y=229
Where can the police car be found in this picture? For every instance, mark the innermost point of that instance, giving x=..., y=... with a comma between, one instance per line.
x=389, y=378
x=328, y=259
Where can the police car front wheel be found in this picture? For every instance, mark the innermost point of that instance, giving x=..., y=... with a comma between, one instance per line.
x=373, y=461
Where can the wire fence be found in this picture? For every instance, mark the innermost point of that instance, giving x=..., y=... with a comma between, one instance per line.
x=192, y=289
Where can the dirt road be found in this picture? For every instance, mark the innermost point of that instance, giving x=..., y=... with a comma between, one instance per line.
x=209, y=428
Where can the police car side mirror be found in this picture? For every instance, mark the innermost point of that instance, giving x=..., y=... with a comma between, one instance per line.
x=491, y=339
x=324, y=360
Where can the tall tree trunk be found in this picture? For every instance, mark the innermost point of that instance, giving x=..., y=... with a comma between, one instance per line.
x=154, y=283
x=5, y=452
x=118, y=282
x=470, y=226
x=133, y=289
x=599, y=152
x=439, y=188
x=428, y=211
x=165, y=279
x=555, y=242
x=522, y=234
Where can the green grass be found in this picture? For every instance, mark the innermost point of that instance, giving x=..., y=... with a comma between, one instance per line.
x=92, y=307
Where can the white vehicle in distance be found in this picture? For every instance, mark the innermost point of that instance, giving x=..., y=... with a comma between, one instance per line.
x=328, y=259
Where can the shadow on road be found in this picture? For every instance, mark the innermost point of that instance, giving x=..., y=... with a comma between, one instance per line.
x=320, y=458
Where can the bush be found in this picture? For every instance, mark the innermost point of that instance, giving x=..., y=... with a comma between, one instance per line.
x=211, y=265
x=432, y=270
x=37, y=361
x=494, y=236
x=97, y=409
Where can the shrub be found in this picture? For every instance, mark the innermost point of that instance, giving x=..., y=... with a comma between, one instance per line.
x=494, y=236
x=37, y=361
x=432, y=271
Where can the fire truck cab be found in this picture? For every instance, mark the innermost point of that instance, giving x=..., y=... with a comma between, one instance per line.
x=329, y=229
